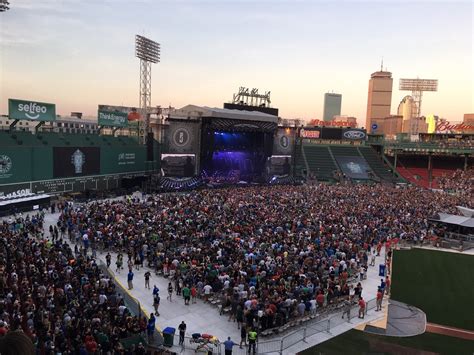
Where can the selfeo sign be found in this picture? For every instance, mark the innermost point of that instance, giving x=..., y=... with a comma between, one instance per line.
x=353, y=134
x=31, y=110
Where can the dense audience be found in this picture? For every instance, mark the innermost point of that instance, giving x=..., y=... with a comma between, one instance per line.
x=459, y=181
x=281, y=251
x=58, y=298
x=271, y=253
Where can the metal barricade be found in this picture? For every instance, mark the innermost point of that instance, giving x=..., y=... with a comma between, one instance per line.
x=293, y=338
x=269, y=346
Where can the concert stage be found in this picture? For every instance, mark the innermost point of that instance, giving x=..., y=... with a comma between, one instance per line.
x=226, y=146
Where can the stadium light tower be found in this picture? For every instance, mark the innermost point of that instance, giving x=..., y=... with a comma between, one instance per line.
x=417, y=86
x=4, y=5
x=148, y=52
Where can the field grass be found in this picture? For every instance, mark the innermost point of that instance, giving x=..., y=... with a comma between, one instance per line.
x=440, y=283
x=358, y=342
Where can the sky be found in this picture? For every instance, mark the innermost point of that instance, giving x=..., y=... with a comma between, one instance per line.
x=80, y=53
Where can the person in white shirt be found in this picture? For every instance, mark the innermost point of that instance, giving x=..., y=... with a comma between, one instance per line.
x=207, y=291
x=122, y=309
x=102, y=298
x=247, y=304
x=313, y=306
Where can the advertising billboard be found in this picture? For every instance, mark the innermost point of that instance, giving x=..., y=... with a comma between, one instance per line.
x=354, y=134
x=75, y=161
x=131, y=112
x=331, y=133
x=112, y=118
x=122, y=159
x=314, y=133
x=31, y=110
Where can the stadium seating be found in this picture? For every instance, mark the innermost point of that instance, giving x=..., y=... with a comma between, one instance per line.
x=299, y=161
x=344, y=151
x=376, y=164
x=320, y=161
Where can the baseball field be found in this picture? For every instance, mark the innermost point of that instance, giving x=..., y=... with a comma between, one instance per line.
x=439, y=283
x=358, y=342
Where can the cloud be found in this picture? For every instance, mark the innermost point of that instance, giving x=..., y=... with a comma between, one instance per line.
x=52, y=6
x=32, y=23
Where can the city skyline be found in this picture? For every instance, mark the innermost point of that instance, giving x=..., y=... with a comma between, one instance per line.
x=81, y=54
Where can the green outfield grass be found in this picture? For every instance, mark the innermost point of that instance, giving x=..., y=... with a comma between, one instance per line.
x=358, y=342
x=440, y=283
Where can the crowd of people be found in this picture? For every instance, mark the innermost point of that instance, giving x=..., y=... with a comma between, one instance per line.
x=271, y=253
x=57, y=297
x=459, y=181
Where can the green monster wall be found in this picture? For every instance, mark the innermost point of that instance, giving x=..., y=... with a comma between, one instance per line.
x=31, y=168
x=15, y=165
x=122, y=159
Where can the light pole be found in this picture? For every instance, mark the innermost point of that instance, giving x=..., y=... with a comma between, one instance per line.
x=148, y=52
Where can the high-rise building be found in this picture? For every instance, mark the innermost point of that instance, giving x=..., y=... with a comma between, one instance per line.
x=469, y=118
x=332, y=105
x=431, y=121
x=392, y=125
x=379, y=98
x=407, y=109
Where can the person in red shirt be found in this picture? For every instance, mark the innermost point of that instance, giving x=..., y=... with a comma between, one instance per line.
x=387, y=285
x=379, y=300
x=194, y=294
x=320, y=299
x=379, y=248
x=3, y=329
x=361, y=308
x=91, y=345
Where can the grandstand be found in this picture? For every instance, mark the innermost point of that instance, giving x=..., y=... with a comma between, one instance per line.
x=416, y=169
x=378, y=165
x=320, y=162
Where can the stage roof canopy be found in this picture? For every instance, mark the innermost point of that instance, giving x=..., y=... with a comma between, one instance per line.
x=193, y=111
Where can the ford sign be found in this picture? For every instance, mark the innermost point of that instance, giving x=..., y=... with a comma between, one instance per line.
x=354, y=135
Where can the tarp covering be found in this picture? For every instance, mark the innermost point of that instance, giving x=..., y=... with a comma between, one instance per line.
x=454, y=219
x=468, y=212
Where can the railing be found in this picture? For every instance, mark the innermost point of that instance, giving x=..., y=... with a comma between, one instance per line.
x=279, y=344
x=448, y=242
x=310, y=329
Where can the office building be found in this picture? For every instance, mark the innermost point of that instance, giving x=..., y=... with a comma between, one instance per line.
x=389, y=126
x=407, y=109
x=332, y=105
x=468, y=119
x=380, y=97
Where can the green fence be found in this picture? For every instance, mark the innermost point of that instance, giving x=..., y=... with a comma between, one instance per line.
x=23, y=164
